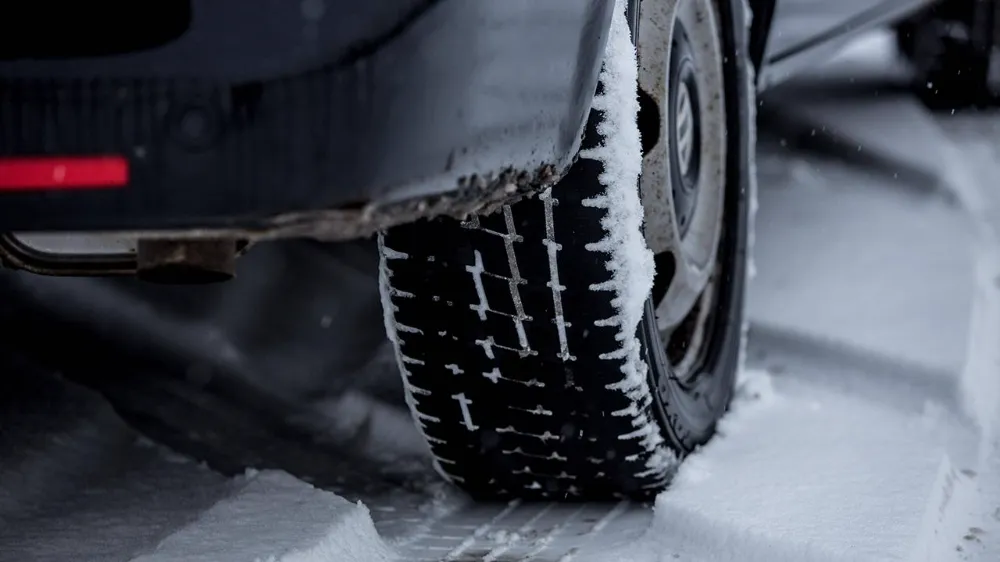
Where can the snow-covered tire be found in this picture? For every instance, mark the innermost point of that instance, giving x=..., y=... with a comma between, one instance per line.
x=527, y=339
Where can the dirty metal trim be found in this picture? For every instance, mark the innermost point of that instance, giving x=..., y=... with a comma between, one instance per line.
x=475, y=195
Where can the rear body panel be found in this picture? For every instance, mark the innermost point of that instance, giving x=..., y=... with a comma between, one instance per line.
x=270, y=117
x=246, y=119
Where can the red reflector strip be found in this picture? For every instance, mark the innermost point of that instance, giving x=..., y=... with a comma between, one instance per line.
x=63, y=172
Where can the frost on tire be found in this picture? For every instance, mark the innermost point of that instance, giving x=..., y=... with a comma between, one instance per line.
x=630, y=260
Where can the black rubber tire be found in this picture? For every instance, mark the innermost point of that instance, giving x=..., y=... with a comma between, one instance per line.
x=949, y=74
x=543, y=427
x=954, y=80
x=905, y=35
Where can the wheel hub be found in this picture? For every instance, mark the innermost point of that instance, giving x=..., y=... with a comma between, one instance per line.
x=685, y=130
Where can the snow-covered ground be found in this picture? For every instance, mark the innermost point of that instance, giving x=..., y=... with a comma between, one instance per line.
x=865, y=427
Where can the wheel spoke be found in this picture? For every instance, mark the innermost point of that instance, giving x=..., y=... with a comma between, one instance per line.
x=685, y=288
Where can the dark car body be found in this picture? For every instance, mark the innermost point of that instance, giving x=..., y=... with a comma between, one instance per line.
x=331, y=117
x=789, y=35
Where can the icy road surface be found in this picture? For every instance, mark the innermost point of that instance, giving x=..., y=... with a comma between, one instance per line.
x=865, y=427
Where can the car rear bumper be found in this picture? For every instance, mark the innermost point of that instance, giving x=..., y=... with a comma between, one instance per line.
x=365, y=104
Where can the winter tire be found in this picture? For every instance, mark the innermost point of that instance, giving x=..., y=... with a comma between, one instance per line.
x=541, y=357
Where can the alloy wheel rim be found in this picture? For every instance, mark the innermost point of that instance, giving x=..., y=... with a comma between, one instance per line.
x=683, y=181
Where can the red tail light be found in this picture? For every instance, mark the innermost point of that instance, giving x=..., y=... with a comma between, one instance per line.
x=63, y=173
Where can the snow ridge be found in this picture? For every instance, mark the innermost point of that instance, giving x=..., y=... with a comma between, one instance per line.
x=630, y=260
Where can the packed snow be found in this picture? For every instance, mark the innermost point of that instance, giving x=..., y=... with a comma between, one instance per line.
x=275, y=517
